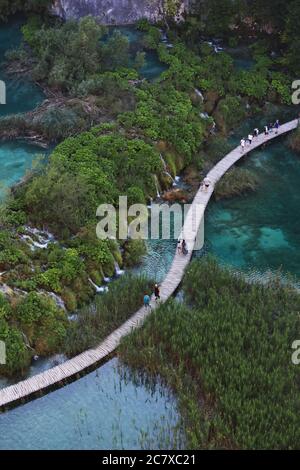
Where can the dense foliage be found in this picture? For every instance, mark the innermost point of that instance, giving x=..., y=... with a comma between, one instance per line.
x=227, y=354
x=10, y=7
x=276, y=23
x=35, y=325
x=151, y=130
x=31, y=325
x=106, y=313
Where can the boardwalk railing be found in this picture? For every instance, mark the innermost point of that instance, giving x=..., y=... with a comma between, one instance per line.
x=45, y=381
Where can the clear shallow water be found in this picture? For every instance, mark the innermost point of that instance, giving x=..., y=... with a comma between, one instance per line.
x=22, y=95
x=16, y=158
x=153, y=68
x=261, y=230
x=242, y=57
x=100, y=411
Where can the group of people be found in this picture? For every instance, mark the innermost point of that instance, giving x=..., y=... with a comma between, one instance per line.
x=147, y=298
x=267, y=130
x=181, y=249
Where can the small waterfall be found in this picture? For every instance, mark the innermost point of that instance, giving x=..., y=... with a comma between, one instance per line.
x=170, y=176
x=157, y=186
x=166, y=172
x=33, y=244
x=204, y=116
x=6, y=290
x=164, y=37
x=99, y=290
x=214, y=128
x=118, y=270
x=58, y=300
x=43, y=238
x=151, y=202
x=215, y=45
x=163, y=161
x=73, y=317
x=176, y=180
x=199, y=93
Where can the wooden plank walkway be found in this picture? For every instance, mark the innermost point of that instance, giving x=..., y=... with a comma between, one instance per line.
x=43, y=382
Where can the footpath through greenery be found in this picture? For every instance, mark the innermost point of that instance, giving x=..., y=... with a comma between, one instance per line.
x=226, y=353
x=118, y=134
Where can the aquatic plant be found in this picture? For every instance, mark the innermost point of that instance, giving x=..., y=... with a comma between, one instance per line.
x=236, y=182
x=226, y=352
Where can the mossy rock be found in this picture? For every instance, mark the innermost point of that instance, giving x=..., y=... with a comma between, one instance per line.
x=165, y=181
x=211, y=99
x=118, y=257
x=109, y=268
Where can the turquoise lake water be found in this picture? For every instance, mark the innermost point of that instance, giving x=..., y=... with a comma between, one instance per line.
x=261, y=230
x=153, y=67
x=22, y=95
x=103, y=410
x=16, y=158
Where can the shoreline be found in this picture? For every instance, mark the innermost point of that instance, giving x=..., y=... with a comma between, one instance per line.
x=28, y=389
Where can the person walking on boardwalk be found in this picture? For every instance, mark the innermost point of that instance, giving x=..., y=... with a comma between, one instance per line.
x=147, y=301
x=157, y=292
x=250, y=138
x=206, y=183
x=277, y=125
x=243, y=142
x=266, y=130
x=256, y=132
x=184, y=248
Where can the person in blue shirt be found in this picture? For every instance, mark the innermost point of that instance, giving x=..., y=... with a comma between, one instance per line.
x=147, y=301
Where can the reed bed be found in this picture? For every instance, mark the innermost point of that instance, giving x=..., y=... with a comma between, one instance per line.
x=226, y=353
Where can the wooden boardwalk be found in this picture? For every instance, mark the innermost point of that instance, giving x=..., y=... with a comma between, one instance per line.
x=37, y=385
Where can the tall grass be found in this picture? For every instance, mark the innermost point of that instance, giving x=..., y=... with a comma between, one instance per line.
x=106, y=313
x=226, y=353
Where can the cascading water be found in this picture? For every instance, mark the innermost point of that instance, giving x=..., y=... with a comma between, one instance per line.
x=166, y=172
x=118, y=270
x=156, y=186
x=98, y=289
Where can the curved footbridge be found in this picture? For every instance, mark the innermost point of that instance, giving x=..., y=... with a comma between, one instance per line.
x=71, y=369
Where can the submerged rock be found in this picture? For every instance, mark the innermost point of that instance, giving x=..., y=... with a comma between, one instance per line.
x=175, y=195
